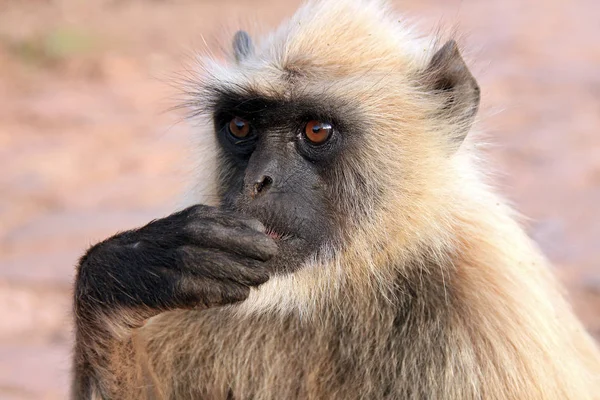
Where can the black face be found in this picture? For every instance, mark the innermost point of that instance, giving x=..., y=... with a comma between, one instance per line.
x=281, y=159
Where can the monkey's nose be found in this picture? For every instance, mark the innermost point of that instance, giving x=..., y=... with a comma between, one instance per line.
x=262, y=185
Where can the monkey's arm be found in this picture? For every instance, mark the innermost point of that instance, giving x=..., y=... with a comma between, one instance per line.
x=199, y=257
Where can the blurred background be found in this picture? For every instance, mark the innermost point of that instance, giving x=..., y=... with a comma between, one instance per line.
x=87, y=147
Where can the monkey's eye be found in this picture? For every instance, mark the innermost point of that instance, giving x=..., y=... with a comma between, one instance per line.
x=239, y=128
x=317, y=132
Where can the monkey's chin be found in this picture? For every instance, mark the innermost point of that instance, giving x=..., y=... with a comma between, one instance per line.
x=293, y=251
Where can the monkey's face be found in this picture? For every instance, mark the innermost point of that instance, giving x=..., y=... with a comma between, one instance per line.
x=281, y=162
x=337, y=137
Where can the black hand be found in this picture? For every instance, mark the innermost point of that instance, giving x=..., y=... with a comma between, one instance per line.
x=199, y=256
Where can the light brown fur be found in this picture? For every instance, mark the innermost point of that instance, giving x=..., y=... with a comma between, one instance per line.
x=437, y=293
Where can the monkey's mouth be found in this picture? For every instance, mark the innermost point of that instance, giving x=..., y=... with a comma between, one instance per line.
x=277, y=235
x=273, y=234
x=280, y=228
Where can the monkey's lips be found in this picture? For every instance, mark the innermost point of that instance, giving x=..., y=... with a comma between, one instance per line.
x=275, y=235
x=280, y=231
x=279, y=234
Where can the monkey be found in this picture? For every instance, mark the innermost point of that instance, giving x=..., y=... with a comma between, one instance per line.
x=356, y=250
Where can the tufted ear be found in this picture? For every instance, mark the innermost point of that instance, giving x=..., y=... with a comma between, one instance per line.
x=448, y=77
x=242, y=45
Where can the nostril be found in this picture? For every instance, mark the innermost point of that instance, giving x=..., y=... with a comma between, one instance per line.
x=262, y=184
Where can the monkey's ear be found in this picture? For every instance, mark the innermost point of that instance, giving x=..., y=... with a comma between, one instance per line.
x=448, y=77
x=242, y=45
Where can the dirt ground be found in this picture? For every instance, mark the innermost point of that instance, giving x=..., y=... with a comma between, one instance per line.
x=87, y=148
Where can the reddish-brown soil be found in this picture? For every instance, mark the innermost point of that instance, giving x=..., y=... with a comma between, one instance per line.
x=87, y=149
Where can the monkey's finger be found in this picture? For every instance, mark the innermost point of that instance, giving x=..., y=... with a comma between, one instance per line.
x=236, y=220
x=243, y=241
x=253, y=224
x=194, y=292
x=224, y=216
x=217, y=265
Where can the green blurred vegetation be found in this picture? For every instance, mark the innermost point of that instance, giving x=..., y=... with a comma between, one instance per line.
x=53, y=47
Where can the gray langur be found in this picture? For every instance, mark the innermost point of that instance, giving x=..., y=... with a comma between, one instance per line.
x=355, y=253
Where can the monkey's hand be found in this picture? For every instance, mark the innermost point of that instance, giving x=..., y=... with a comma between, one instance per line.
x=199, y=257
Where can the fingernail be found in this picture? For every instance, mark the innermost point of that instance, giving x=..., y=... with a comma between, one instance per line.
x=271, y=246
x=255, y=224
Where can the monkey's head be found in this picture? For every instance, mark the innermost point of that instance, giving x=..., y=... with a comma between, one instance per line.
x=340, y=122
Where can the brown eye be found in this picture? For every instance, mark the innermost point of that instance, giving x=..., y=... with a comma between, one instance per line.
x=239, y=127
x=317, y=131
